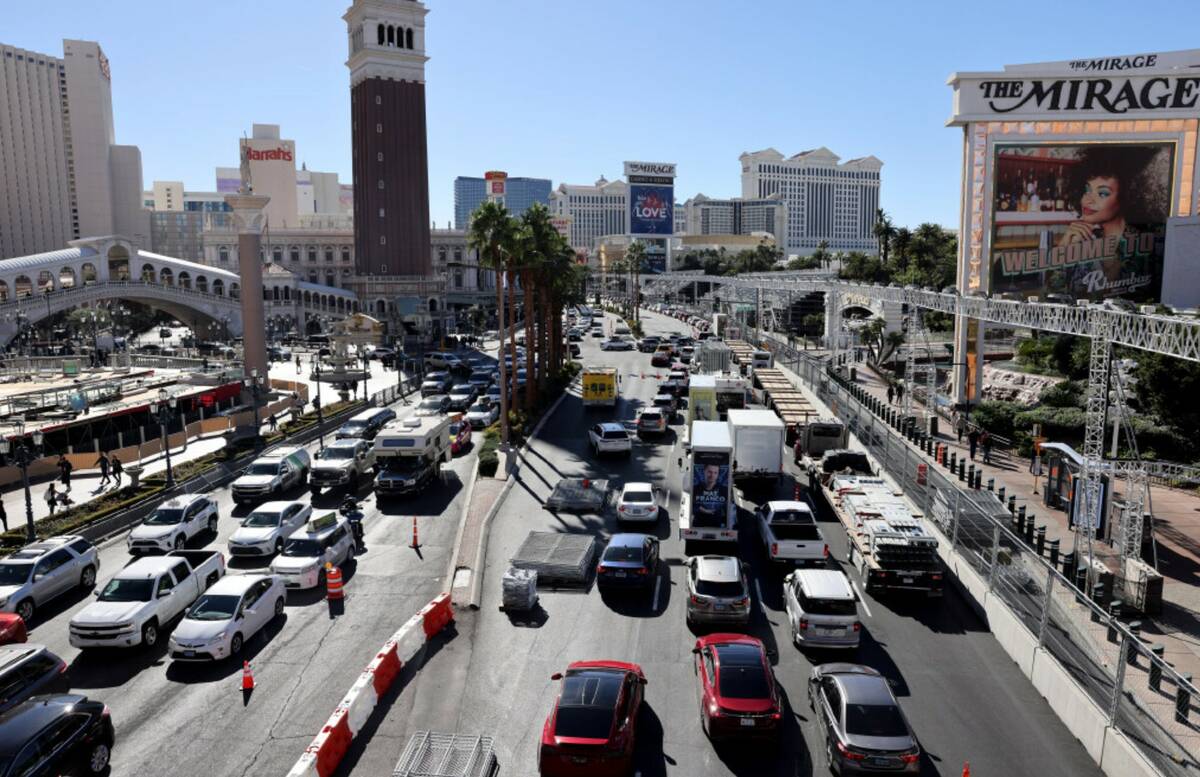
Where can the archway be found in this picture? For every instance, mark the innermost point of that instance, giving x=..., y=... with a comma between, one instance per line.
x=23, y=287
x=148, y=274
x=235, y=291
x=166, y=277
x=218, y=287
x=118, y=266
x=202, y=284
x=66, y=278
x=45, y=282
x=185, y=279
x=3, y=291
x=433, y=306
x=380, y=307
x=89, y=276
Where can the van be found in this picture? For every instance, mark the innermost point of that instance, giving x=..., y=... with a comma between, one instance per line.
x=822, y=609
x=367, y=424
x=760, y=360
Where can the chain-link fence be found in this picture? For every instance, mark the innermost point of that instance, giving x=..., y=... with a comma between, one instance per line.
x=1143, y=696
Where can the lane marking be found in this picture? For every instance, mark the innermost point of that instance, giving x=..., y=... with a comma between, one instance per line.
x=657, y=591
x=862, y=599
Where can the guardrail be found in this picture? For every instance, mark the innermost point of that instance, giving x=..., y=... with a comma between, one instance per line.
x=1138, y=693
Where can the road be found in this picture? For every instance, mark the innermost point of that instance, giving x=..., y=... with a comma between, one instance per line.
x=963, y=695
x=194, y=717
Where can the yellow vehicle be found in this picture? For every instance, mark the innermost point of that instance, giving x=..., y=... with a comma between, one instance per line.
x=599, y=386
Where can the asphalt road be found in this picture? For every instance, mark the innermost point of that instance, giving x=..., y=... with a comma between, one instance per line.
x=961, y=692
x=193, y=719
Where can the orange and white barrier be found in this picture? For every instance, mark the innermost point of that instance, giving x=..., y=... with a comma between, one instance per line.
x=321, y=758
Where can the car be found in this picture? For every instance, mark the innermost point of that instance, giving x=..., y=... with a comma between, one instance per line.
x=660, y=359
x=865, y=729
x=232, y=611
x=718, y=591
x=29, y=670
x=324, y=540
x=461, y=396
x=649, y=344
x=492, y=395
x=609, y=437
x=628, y=561
x=264, y=531
x=686, y=353
x=12, y=629
x=574, y=350
x=593, y=726
x=483, y=414
x=668, y=404
x=616, y=344
x=672, y=387
x=173, y=523
x=460, y=437
x=739, y=696
x=482, y=378
x=651, y=420
x=58, y=734
x=574, y=335
x=436, y=383
x=342, y=464
x=439, y=361
x=433, y=405
x=39, y=573
x=638, y=502
x=597, y=332
x=822, y=609
x=272, y=474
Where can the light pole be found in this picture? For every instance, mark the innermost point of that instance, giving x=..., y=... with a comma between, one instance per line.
x=366, y=360
x=24, y=457
x=316, y=374
x=256, y=388
x=164, y=409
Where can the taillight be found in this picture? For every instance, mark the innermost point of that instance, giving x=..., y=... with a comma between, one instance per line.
x=803, y=624
x=621, y=509
x=857, y=626
x=106, y=712
x=599, y=569
x=642, y=571
x=744, y=601
x=774, y=549
x=909, y=758
x=62, y=667
x=848, y=753
x=826, y=551
x=935, y=577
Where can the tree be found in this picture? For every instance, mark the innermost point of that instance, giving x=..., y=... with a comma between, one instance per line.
x=635, y=256
x=541, y=243
x=884, y=232
x=821, y=256
x=491, y=233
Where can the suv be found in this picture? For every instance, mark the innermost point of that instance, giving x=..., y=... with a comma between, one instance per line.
x=263, y=531
x=62, y=734
x=436, y=383
x=717, y=590
x=343, y=463
x=668, y=404
x=173, y=523
x=271, y=475
x=28, y=670
x=40, y=572
x=610, y=438
x=461, y=396
x=649, y=344
x=822, y=608
x=651, y=420
x=327, y=540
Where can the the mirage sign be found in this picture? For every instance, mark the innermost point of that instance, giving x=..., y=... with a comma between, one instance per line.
x=651, y=198
x=983, y=96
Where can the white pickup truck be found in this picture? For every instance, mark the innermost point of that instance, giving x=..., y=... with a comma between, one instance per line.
x=790, y=533
x=144, y=597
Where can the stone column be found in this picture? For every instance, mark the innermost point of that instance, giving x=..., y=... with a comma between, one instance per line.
x=248, y=214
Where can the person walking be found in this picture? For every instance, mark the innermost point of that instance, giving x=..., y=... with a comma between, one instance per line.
x=985, y=441
x=973, y=441
x=900, y=392
x=102, y=463
x=51, y=498
x=960, y=425
x=273, y=422
x=891, y=394
x=64, y=468
x=297, y=364
x=117, y=469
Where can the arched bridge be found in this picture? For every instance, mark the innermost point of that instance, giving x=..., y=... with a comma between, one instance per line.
x=110, y=268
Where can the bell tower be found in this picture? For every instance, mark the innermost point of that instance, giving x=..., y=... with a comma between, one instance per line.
x=390, y=154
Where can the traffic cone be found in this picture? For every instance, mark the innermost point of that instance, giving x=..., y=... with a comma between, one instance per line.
x=247, y=677
x=415, y=543
x=966, y=769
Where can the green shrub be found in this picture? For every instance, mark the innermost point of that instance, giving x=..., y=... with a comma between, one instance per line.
x=995, y=416
x=489, y=459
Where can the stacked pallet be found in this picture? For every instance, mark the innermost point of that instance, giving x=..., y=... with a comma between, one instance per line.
x=784, y=398
x=564, y=559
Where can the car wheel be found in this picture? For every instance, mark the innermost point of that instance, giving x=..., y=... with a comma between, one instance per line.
x=25, y=610
x=235, y=645
x=179, y=542
x=87, y=579
x=98, y=758
x=150, y=634
x=349, y=554
x=279, y=607
x=278, y=547
x=212, y=525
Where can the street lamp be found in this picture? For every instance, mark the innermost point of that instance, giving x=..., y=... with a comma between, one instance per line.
x=256, y=388
x=316, y=374
x=164, y=410
x=24, y=457
x=366, y=360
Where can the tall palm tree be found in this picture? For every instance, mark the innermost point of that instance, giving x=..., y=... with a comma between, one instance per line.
x=491, y=233
x=540, y=240
x=635, y=256
x=884, y=231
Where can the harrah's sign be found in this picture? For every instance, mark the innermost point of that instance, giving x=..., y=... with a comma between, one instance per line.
x=981, y=97
x=279, y=154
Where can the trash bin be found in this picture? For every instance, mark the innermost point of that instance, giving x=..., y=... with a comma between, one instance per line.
x=933, y=426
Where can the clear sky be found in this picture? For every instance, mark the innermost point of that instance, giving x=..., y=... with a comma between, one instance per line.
x=569, y=89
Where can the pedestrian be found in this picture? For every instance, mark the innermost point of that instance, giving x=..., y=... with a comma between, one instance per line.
x=117, y=469
x=204, y=364
x=51, y=498
x=900, y=392
x=64, y=468
x=973, y=441
x=297, y=364
x=102, y=463
x=960, y=425
x=985, y=441
x=274, y=424
x=891, y=394
x=3, y=516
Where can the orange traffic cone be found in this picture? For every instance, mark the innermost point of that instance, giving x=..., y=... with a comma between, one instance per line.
x=333, y=583
x=247, y=677
x=966, y=769
x=415, y=543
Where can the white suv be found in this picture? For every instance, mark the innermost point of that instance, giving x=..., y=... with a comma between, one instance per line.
x=173, y=523
x=324, y=540
x=609, y=438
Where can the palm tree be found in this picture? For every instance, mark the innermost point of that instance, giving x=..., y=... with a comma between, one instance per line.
x=636, y=256
x=491, y=234
x=884, y=231
x=540, y=240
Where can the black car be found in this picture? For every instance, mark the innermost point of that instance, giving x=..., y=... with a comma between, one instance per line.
x=649, y=344
x=63, y=734
x=672, y=387
x=27, y=670
x=629, y=561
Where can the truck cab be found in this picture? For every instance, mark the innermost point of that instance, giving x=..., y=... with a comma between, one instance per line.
x=707, y=510
x=409, y=454
x=819, y=436
x=270, y=475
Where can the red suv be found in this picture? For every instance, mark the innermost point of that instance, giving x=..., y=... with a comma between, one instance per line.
x=738, y=693
x=590, y=732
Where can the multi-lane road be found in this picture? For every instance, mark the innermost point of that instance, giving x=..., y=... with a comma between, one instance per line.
x=963, y=695
x=182, y=719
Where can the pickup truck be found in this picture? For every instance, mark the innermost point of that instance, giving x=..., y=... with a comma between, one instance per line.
x=790, y=534
x=144, y=597
x=343, y=464
x=270, y=475
x=173, y=523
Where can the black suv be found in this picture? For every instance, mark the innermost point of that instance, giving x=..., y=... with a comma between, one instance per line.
x=27, y=670
x=63, y=734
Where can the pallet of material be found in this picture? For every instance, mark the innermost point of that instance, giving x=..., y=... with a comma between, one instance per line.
x=570, y=495
x=429, y=754
x=558, y=558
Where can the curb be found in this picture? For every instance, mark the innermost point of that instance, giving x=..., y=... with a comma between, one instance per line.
x=452, y=564
x=324, y=755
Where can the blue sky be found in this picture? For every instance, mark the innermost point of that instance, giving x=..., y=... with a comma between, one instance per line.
x=568, y=89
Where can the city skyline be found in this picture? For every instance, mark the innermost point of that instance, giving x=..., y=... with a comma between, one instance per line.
x=777, y=85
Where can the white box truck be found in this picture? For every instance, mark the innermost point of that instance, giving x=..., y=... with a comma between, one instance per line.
x=707, y=510
x=758, y=439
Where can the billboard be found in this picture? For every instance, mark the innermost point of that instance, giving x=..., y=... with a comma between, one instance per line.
x=496, y=183
x=710, y=487
x=651, y=209
x=1081, y=218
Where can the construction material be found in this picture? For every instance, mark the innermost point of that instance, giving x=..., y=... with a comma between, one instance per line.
x=579, y=495
x=558, y=559
x=429, y=754
x=518, y=589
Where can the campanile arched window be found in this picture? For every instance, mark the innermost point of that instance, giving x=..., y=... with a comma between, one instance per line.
x=391, y=35
x=380, y=34
x=408, y=38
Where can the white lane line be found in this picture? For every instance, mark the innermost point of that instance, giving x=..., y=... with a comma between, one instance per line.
x=657, y=591
x=758, y=590
x=862, y=599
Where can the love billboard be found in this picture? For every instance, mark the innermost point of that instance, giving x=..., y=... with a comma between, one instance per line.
x=651, y=209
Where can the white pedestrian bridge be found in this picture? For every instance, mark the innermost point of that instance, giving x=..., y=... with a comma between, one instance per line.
x=95, y=270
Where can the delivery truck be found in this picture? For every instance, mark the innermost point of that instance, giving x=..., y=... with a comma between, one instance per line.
x=599, y=386
x=707, y=509
x=758, y=443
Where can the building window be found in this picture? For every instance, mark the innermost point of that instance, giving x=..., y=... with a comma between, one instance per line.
x=458, y=279
x=345, y=254
x=294, y=254
x=223, y=253
x=383, y=269
x=391, y=38
x=380, y=35
x=329, y=256
x=381, y=213
x=277, y=254
x=408, y=38
x=442, y=254
x=312, y=254
x=378, y=100
x=457, y=254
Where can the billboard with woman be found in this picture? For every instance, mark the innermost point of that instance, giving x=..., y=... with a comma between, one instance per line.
x=1083, y=219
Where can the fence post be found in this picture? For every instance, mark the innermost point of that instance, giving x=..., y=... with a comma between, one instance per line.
x=1046, y=607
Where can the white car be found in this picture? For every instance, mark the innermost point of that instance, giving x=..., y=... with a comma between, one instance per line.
x=264, y=531
x=482, y=414
x=232, y=611
x=616, y=344
x=609, y=437
x=174, y=523
x=325, y=540
x=638, y=502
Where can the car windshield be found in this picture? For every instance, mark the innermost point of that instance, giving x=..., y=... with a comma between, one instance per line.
x=119, y=590
x=263, y=468
x=302, y=547
x=333, y=454
x=214, y=607
x=262, y=520
x=615, y=434
x=478, y=407
x=165, y=516
x=741, y=674
x=463, y=388
x=14, y=574
x=623, y=553
x=725, y=590
x=430, y=404
x=875, y=720
x=352, y=427
x=587, y=706
x=644, y=497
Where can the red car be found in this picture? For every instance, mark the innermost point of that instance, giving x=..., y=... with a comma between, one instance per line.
x=738, y=693
x=12, y=629
x=460, y=437
x=590, y=732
